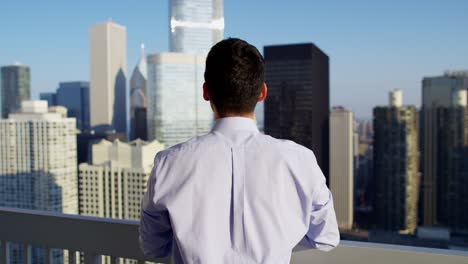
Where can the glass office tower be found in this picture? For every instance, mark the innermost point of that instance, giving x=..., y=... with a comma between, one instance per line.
x=444, y=139
x=15, y=88
x=196, y=25
x=75, y=97
x=298, y=101
x=176, y=109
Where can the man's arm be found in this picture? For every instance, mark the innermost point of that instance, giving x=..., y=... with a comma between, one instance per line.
x=155, y=225
x=323, y=231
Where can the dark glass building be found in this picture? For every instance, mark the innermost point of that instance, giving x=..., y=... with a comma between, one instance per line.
x=51, y=98
x=139, y=123
x=75, y=97
x=452, y=156
x=15, y=88
x=444, y=137
x=396, y=168
x=297, y=105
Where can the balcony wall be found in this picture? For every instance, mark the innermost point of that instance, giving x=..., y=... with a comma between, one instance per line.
x=119, y=239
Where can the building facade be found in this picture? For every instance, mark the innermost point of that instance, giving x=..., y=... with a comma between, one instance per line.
x=38, y=165
x=452, y=168
x=108, y=77
x=15, y=88
x=196, y=25
x=364, y=177
x=113, y=184
x=176, y=109
x=342, y=169
x=441, y=102
x=396, y=167
x=298, y=101
x=139, y=99
x=85, y=140
x=50, y=97
x=75, y=97
x=39, y=146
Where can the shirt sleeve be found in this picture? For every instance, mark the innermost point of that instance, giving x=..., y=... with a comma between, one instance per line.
x=155, y=226
x=323, y=231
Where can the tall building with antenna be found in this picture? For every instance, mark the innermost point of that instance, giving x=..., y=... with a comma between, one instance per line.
x=138, y=98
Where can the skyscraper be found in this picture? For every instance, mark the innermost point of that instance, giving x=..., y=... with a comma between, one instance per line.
x=297, y=105
x=364, y=190
x=38, y=165
x=176, y=109
x=139, y=99
x=75, y=97
x=114, y=183
x=196, y=25
x=108, y=77
x=396, y=163
x=445, y=134
x=50, y=97
x=452, y=164
x=39, y=145
x=342, y=169
x=15, y=87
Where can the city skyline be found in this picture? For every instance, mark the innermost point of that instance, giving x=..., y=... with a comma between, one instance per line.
x=392, y=43
x=396, y=168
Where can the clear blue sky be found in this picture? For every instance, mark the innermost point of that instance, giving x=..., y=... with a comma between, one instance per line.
x=374, y=46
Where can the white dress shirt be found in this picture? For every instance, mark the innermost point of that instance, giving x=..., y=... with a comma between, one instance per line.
x=236, y=196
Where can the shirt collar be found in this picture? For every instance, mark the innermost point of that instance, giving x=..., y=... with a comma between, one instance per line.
x=228, y=124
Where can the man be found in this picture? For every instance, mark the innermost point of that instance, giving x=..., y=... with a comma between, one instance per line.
x=236, y=195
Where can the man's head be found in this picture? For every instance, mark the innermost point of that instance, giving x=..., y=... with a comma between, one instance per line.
x=234, y=78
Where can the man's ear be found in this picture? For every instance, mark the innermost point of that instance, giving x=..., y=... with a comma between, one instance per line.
x=263, y=93
x=206, y=94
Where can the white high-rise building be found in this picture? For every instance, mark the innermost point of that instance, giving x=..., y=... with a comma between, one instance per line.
x=108, y=76
x=38, y=159
x=196, y=25
x=342, y=165
x=396, y=98
x=176, y=108
x=114, y=184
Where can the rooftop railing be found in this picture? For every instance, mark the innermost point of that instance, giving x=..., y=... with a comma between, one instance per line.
x=95, y=237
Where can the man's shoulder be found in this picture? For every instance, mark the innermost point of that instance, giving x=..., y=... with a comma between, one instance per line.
x=188, y=146
x=202, y=144
x=285, y=145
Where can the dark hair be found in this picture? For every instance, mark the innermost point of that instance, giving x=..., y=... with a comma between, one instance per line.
x=234, y=75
